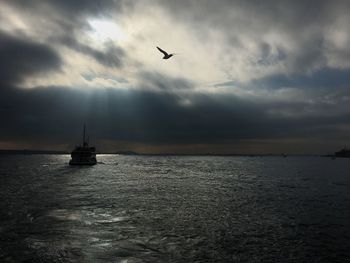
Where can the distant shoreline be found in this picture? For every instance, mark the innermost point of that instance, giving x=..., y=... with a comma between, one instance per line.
x=31, y=152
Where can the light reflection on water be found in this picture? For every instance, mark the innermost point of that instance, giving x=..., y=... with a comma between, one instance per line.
x=174, y=209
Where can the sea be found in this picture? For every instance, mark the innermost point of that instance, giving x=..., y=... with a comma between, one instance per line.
x=174, y=209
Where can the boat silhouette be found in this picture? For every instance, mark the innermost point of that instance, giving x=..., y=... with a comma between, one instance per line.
x=343, y=153
x=83, y=154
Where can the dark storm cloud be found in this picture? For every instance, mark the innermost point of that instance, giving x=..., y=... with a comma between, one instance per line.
x=268, y=57
x=111, y=57
x=74, y=8
x=56, y=114
x=121, y=115
x=23, y=57
x=62, y=23
x=165, y=83
x=329, y=78
x=85, y=6
x=69, y=16
x=286, y=13
x=324, y=79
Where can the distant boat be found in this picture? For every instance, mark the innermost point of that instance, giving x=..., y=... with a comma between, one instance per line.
x=83, y=155
x=342, y=153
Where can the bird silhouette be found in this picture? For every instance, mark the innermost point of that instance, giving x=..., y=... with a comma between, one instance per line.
x=166, y=55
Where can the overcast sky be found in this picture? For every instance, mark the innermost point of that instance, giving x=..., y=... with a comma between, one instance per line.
x=251, y=76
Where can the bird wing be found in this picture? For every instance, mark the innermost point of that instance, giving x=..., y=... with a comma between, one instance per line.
x=161, y=50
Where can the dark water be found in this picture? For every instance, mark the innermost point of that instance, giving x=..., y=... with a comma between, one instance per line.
x=175, y=209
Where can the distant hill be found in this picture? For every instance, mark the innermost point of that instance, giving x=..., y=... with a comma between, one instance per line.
x=31, y=152
x=127, y=153
x=213, y=154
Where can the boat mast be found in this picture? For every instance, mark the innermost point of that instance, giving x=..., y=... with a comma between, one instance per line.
x=84, y=136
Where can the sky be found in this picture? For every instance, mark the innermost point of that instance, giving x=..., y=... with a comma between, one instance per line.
x=250, y=77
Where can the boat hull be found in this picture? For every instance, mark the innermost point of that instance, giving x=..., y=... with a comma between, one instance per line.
x=83, y=156
x=82, y=163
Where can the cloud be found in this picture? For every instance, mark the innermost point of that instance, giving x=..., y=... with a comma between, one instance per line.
x=157, y=118
x=23, y=57
x=111, y=57
x=248, y=72
x=273, y=37
x=221, y=41
x=76, y=8
x=158, y=81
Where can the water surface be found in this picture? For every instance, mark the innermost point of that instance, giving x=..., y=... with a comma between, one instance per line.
x=174, y=209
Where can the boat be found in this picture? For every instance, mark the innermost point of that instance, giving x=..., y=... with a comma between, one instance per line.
x=83, y=154
x=343, y=153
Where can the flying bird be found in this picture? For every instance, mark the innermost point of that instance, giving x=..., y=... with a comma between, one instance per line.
x=166, y=55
